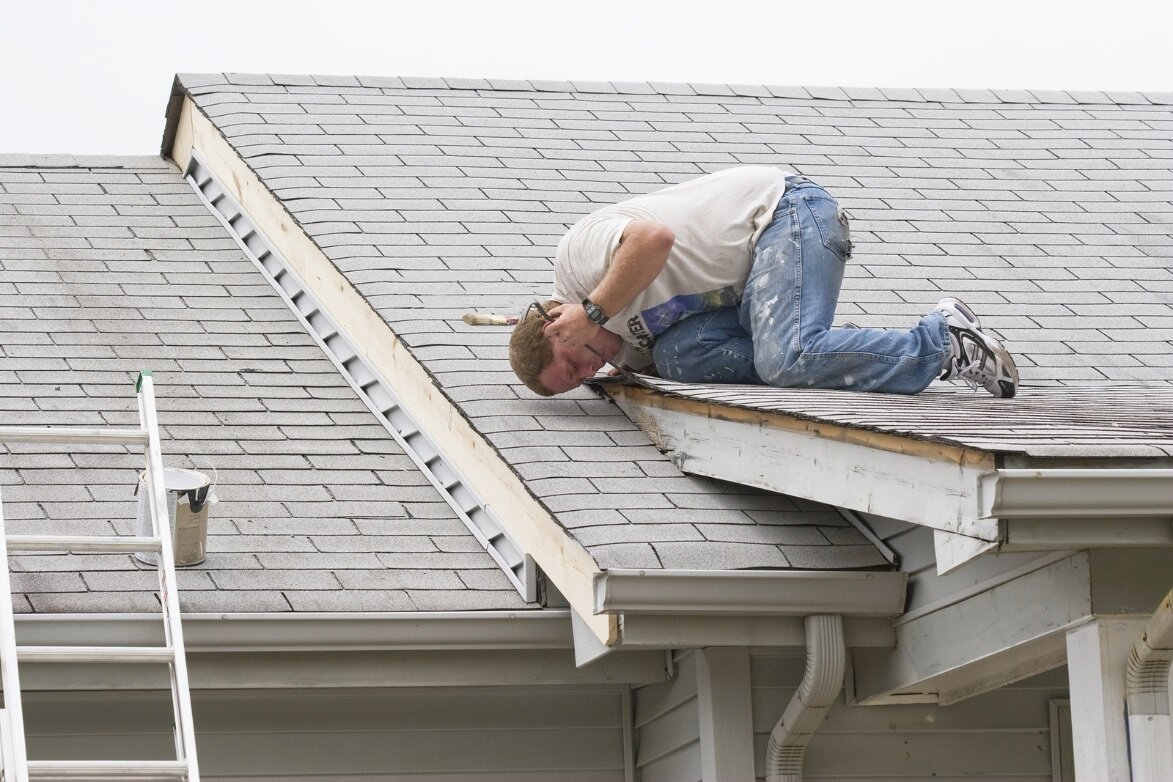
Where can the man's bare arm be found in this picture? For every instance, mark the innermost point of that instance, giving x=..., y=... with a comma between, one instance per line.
x=639, y=259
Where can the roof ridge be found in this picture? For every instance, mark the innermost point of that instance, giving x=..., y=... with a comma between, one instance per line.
x=885, y=94
x=24, y=160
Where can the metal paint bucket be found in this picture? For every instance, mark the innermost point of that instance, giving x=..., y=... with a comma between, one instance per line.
x=189, y=493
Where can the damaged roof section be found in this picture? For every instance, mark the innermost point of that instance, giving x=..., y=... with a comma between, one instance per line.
x=113, y=264
x=435, y=201
x=1080, y=422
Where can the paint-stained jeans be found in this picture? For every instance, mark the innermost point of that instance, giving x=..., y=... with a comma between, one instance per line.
x=781, y=333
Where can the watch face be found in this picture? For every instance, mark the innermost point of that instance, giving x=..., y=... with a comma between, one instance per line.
x=594, y=312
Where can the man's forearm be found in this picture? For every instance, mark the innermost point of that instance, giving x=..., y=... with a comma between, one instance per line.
x=639, y=259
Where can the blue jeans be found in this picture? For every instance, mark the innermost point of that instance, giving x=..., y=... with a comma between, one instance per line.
x=781, y=332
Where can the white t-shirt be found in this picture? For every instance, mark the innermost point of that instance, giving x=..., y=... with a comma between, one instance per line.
x=717, y=220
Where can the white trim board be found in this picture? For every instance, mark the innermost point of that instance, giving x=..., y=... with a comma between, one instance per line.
x=980, y=643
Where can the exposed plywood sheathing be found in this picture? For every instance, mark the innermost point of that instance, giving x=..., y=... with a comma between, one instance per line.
x=560, y=557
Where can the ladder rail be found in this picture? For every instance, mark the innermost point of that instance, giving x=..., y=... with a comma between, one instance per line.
x=14, y=763
x=185, y=745
x=15, y=766
x=121, y=770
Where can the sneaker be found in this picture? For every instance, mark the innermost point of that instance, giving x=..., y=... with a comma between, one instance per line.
x=975, y=358
x=958, y=313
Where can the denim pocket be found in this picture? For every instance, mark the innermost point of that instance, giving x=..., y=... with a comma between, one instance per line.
x=832, y=224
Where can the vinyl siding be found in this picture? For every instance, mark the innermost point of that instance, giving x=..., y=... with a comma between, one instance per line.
x=1002, y=735
x=562, y=734
x=667, y=727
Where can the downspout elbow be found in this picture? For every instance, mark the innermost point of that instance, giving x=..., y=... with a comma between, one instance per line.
x=1147, y=696
x=826, y=659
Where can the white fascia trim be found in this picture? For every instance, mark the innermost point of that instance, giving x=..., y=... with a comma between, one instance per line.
x=317, y=632
x=1026, y=493
x=748, y=592
x=961, y=493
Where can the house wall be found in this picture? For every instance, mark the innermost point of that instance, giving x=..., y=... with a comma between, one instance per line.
x=667, y=727
x=562, y=734
x=1002, y=735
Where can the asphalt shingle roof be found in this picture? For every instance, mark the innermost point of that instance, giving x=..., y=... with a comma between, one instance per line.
x=1050, y=213
x=110, y=265
x=435, y=200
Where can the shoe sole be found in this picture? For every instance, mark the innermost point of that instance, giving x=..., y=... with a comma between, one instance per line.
x=1004, y=389
x=1008, y=388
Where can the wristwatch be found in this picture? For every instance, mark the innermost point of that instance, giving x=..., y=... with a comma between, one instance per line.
x=594, y=312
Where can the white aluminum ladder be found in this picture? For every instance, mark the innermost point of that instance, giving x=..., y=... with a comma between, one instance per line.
x=15, y=765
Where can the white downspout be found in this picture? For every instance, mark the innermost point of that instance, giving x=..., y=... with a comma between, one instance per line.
x=826, y=658
x=1150, y=728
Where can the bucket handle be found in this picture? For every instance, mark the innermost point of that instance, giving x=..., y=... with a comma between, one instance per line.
x=195, y=497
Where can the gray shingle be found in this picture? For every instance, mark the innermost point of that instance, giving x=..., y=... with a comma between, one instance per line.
x=235, y=375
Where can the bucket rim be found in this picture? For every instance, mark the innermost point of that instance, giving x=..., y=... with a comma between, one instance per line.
x=202, y=480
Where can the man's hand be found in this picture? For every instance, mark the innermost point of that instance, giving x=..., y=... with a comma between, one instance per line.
x=571, y=325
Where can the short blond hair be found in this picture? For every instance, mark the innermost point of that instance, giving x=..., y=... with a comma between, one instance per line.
x=529, y=350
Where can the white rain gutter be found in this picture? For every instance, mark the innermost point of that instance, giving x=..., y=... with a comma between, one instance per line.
x=1147, y=696
x=1019, y=493
x=758, y=592
x=312, y=632
x=826, y=660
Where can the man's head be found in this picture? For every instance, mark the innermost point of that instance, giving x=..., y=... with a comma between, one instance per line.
x=549, y=367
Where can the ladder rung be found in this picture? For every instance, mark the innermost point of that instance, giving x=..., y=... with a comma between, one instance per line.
x=107, y=769
x=94, y=654
x=48, y=434
x=84, y=543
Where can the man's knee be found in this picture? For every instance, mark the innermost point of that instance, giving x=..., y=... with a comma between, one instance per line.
x=780, y=361
x=707, y=348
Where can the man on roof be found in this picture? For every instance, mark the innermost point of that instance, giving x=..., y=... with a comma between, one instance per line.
x=734, y=277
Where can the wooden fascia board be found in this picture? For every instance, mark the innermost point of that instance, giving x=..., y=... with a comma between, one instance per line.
x=927, y=483
x=750, y=592
x=981, y=643
x=562, y=558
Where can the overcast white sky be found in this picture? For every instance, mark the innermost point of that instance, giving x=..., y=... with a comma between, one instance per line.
x=83, y=76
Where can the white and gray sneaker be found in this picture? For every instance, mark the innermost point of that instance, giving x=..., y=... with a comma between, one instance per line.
x=975, y=358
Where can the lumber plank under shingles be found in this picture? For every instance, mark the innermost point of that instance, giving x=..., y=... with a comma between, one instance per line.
x=1046, y=421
